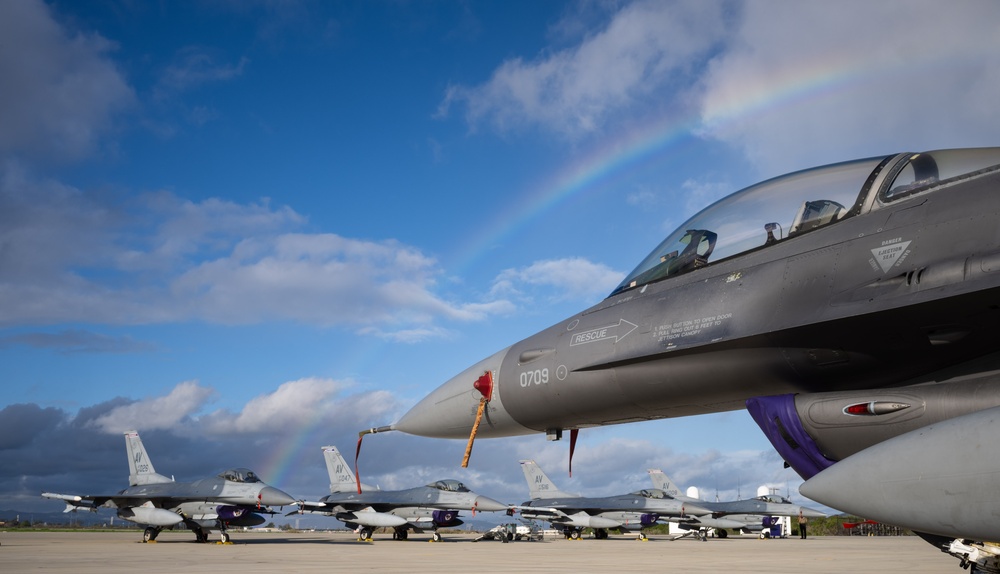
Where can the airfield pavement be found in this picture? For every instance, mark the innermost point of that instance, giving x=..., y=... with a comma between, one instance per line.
x=120, y=552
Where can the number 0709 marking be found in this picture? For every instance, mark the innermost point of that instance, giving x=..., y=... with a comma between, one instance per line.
x=536, y=377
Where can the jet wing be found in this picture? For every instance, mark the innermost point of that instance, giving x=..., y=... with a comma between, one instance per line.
x=75, y=502
x=93, y=502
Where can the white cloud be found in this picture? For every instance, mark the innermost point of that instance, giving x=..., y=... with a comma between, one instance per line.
x=577, y=90
x=322, y=279
x=567, y=279
x=159, y=413
x=307, y=402
x=65, y=257
x=808, y=83
x=60, y=88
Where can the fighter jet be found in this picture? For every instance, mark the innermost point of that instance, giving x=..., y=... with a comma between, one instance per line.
x=749, y=514
x=572, y=513
x=235, y=497
x=876, y=279
x=433, y=506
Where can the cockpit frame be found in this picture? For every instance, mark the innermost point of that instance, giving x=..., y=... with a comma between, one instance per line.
x=792, y=205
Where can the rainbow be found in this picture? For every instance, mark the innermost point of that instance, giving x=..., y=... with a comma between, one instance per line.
x=591, y=173
x=299, y=448
x=620, y=156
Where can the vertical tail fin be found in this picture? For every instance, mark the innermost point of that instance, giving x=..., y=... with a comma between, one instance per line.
x=540, y=485
x=341, y=477
x=140, y=468
x=663, y=482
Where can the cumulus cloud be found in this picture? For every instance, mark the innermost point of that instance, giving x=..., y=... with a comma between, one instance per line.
x=308, y=401
x=813, y=83
x=577, y=90
x=61, y=89
x=183, y=402
x=66, y=256
x=572, y=278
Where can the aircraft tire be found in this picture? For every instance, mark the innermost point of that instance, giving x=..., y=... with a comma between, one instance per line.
x=574, y=535
x=224, y=537
x=719, y=533
x=436, y=537
x=149, y=534
x=365, y=534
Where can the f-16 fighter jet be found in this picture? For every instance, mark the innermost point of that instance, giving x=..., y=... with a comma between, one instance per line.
x=571, y=513
x=435, y=505
x=235, y=497
x=852, y=308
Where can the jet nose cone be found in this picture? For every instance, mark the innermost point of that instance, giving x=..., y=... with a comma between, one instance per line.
x=487, y=504
x=270, y=496
x=450, y=410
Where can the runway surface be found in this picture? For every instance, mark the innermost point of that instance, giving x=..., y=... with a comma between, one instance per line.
x=122, y=552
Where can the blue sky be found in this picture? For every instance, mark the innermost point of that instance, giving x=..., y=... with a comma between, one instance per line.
x=250, y=229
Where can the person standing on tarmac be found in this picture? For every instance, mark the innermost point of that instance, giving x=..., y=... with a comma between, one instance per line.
x=802, y=525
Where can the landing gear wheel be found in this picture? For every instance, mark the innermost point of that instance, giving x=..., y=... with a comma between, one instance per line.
x=721, y=534
x=436, y=537
x=365, y=534
x=149, y=534
x=642, y=536
x=201, y=536
x=224, y=537
x=574, y=535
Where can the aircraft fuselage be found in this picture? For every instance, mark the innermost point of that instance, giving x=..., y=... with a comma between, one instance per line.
x=883, y=295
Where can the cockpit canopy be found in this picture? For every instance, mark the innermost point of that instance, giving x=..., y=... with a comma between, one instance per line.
x=774, y=499
x=655, y=493
x=449, y=485
x=239, y=475
x=792, y=204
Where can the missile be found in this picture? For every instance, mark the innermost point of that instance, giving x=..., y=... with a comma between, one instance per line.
x=150, y=516
x=924, y=479
x=370, y=518
x=584, y=520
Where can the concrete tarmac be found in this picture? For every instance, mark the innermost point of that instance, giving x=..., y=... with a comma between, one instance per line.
x=122, y=552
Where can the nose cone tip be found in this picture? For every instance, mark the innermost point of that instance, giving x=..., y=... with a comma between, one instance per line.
x=449, y=410
x=271, y=496
x=487, y=504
